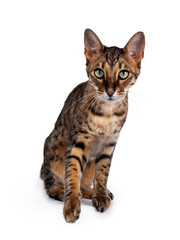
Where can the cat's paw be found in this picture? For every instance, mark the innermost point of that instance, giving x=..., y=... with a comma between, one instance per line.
x=101, y=202
x=72, y=209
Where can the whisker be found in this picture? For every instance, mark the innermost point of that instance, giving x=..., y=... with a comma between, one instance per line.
x=84, y=115
x=91, y=98
x=134, y=102
x=77, y=101
x=137, y=94
x=125, y=101
x=96, y=99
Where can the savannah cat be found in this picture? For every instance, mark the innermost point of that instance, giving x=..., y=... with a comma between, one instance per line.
x=79, y=150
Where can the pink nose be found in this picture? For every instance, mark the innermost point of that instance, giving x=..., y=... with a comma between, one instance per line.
x=110, y=92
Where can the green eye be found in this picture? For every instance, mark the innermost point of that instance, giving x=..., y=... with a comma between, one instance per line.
x=99, y=73
x=123, y=74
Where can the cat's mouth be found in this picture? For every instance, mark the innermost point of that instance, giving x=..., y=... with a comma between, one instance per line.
x=110, y=99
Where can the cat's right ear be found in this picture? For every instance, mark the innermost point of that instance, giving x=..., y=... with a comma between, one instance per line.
x=92, y=44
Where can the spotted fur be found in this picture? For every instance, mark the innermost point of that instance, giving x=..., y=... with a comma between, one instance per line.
x=78, y=152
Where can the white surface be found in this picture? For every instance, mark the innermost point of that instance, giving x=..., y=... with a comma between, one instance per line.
x=41, y=61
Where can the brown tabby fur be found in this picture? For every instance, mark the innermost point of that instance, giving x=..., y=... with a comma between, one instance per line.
x=79, y=150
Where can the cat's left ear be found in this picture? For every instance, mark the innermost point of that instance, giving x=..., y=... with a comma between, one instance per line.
x=135, y=47
x=92, y=44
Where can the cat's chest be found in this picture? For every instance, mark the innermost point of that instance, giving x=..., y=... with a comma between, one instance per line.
x=108, y=120
x=104, y=125
x=105, y=131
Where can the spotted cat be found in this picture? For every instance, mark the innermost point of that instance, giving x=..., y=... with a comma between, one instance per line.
x=78, y=152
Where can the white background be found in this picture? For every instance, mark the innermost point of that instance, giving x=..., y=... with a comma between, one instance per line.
x=41, y=61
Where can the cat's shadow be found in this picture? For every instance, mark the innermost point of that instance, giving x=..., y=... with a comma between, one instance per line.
x=87, y=202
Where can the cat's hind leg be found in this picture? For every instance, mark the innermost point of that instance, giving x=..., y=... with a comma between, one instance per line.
x=56, y=191
x=53, y=175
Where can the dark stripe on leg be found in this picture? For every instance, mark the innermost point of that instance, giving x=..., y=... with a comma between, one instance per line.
x=102, y=157
x=84, y=158
x=80, y=145
x=111, y=144
x=79, y=160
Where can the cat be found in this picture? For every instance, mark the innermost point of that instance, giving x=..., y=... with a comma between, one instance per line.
x=79, y=150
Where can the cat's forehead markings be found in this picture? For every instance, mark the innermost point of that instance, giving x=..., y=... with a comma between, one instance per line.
x=114, y=64
x=111, y=61
x=102, y=64
x=107, y=59
x=123, y=65
x=112, y=55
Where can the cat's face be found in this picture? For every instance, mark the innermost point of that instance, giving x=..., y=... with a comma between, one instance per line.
x=112, y=70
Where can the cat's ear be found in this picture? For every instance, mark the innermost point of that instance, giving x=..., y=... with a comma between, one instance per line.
x=135, y=47
x=92, y=44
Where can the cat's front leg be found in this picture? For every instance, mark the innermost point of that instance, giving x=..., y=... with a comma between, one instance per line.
x=74, y=164
x=102, y=197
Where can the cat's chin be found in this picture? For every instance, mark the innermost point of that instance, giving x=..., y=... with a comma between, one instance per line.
x=111, y=101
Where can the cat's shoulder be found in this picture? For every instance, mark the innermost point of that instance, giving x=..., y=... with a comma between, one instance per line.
x=79, y=88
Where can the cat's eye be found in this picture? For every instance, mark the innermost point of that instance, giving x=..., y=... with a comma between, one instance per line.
x=123, y=74
x=99, y=73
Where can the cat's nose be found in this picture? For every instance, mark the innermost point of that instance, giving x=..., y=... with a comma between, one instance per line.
x=110, y=92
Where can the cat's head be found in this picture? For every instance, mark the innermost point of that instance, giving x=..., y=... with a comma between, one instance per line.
x=112, y=70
